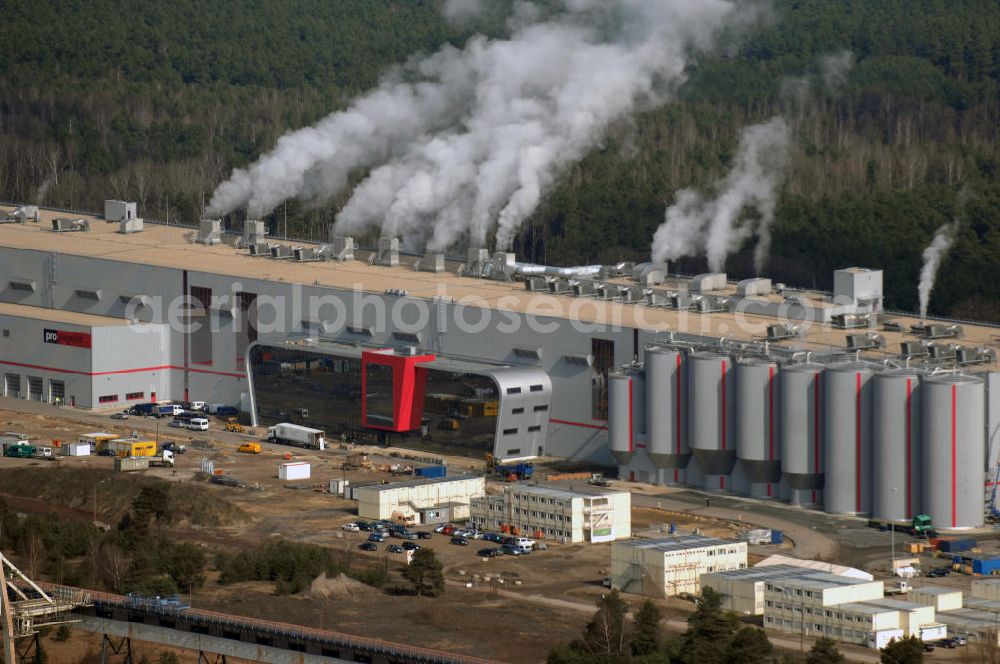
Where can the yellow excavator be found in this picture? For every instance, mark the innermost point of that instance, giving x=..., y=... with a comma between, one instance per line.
x=233, y=425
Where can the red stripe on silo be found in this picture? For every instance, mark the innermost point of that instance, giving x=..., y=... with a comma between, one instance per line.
x=678, y=407
x=723, y=402
x=816, y=428
x=909, y=451
x=677, y=475
x=770, y=418
x=768, y=489
x=814, y=496
x=954, y=456
x=857, y=443
x=722, y=481
x=630, y=423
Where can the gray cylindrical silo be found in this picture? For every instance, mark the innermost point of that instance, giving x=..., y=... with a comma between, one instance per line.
x=954, y=451
x=621, y=419
x=666, y=417
x=757, y=444
x=801, y=433
x=848, y=437
x=710, y=424
x=897, y=451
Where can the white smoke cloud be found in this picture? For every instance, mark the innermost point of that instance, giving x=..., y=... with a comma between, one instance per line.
x=933, y=255
x=716, y=225
x=488, y=128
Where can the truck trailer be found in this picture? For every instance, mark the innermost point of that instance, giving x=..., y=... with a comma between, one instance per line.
x=124, y=447
x=299, y=436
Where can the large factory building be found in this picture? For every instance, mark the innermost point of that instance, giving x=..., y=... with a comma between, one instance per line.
x=820, y=399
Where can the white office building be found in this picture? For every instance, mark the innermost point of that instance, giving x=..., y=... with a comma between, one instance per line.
x=545, y=512
x=667, y=567
x=421, y=501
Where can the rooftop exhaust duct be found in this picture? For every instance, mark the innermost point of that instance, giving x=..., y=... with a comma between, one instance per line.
x=253, y=231
x=343, y=248
x=210, y=231
x=68, y=225
x=388, y=251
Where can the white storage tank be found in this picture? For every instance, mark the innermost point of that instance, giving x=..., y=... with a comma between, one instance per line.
x=897, y=459
x=848, y=428
x=757, y=444
x=294, y=470
x=666, y=415
x=801, y=433
x=954, y=451
x=712, y=392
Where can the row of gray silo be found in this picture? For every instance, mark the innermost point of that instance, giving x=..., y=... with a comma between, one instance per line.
x=851, y=437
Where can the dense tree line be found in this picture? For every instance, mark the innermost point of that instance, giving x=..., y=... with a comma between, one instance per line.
x=158, y=101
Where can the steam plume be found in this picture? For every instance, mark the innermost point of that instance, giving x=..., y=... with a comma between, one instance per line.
x=933, y=255
x=486, y=129
x=696, y=224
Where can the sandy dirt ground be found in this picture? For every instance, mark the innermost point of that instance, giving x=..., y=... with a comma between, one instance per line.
x=544, y=599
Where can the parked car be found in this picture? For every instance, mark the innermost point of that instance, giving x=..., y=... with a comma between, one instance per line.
x=489, y=552
x=407, y=535
x=411, y=546
x=377, y=537
x=939, y=572
x=351, y=527
x=366, y=526
x=120, y=416
x=368, y=546
x=448, y=530
x=959, y=640
x=510, y=550
x=493, y=537
x=395, y=548
x=440, y=529
x=423, y=534
x=945, y=643
x=460, y=541
x=198, y=424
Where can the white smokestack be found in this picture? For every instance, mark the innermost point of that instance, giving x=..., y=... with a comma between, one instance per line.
x=489, y=127
x=933, y=254
x=696, y=224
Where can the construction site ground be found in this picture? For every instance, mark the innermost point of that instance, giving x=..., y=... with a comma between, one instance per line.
x=543, y=600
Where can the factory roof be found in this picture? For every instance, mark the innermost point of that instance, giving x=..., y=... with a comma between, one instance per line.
x=980, y=604
x=60, y=316
x=678, y=543
x=968, y=619
x=584, y=491
x=824, y=582
x=782, y=572
x=866, y=608
x=404, y=484
x=819, y=565
x=894, y=604
x=173, y=247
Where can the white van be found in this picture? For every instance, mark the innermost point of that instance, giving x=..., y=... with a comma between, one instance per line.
x=524, y=544
x=198, y=424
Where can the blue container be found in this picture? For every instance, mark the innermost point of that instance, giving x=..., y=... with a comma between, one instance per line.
x=776, y=536
x=986, y=566
x=431, y=471
x=955, y=545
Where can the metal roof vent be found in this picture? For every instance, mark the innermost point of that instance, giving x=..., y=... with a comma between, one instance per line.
x=305, y=254
x=279, y=251
x=865, y=341
x=253, y=231
x=780, y=331
x=343, y=248
x=712, y=281
x=848, y=321
x=752, y=287
x=534, y=354
x=536, y=284
x=388, y=251
x=22, y=215
x=912, y=349
x=395, y=292
x=68, y=225
x=581, y=288
x=88, y=294
x=433, y=262
x=128, y=226
x=210, y=232
x=24, y=285
x=558, y=285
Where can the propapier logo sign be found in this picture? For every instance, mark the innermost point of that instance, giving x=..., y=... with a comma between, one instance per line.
x=75, y=339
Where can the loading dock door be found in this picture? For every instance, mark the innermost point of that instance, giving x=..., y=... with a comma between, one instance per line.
x=57, y=391
x=11, y=385
x=34, y=388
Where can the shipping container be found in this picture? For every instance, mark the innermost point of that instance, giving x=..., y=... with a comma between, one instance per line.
x=125, y=447
x=293, y=434
x=431, y=471
x=956, y=544
x=986, y=566
x=297, y=470
x=131, y=464
x=777, y=537
x=98, y=440
x=76, y=449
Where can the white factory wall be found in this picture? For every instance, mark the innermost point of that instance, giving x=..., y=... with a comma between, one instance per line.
x=744, y=596
x=942, y=599
x=566, y=517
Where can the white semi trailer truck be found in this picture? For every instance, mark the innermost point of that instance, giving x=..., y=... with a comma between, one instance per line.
x=299, y=436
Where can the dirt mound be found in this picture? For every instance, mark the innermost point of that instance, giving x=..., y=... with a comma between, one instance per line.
x=338, y=586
